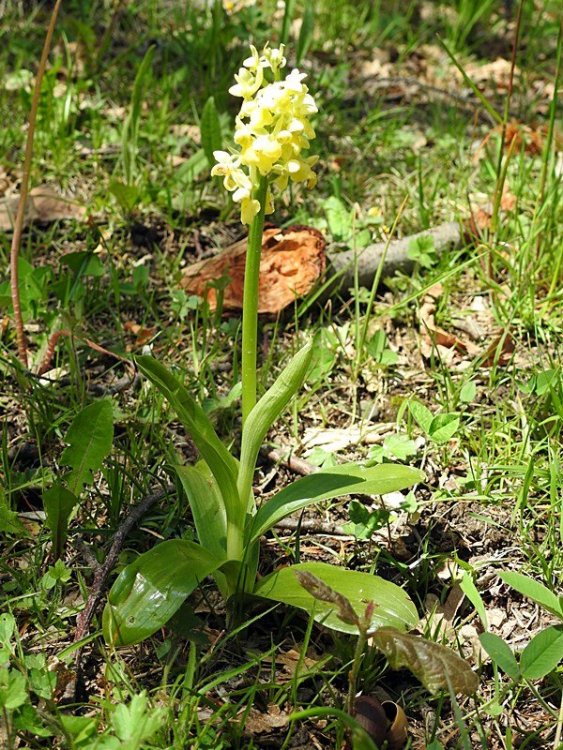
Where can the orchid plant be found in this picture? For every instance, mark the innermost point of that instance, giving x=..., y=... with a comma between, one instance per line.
x=272, y=136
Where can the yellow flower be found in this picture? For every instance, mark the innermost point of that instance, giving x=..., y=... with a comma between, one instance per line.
x=263, y=153
x=272, y=131
x=249, y=207
x=247, y=82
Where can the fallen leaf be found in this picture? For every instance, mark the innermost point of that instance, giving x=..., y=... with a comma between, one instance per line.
x=43, y=206
x=369, y=713
x=292, y=261
x=143, y=335
x=291, y=661
x=256, y=722
x=335, y=439
x=496, y=73
x=500, y=349
x=434, y=337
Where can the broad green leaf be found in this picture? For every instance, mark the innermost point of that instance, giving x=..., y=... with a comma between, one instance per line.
x=59, y=504
x=421, y=415
x=210, y=128
x=126, y=195
x=80, y=728
x=468, y=392
x=338, y=217
x=13, y=690
x=207, y=506
x=150, y=590
x=9, y=520
x=89, y=440
x=392, y=605
x=533, y=590
x=437, y=667
x=323, y=485
x=501, y=653
x=443, y=427
x=136, y=722
x=7, y=629
x=544, y=652
x=84, y=263
x=267, y=410
x=223, y=466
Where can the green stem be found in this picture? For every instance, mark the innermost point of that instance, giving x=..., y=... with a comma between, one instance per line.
x=235, y=538
x=355, y=671
x=250, y=303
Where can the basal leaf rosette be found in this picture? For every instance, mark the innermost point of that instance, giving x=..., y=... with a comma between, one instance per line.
x=273, y=131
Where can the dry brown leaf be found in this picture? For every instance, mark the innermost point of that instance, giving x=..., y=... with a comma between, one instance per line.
x=143, y=335
x=507, y=345
x=256, y=722
x=334, y=439
x=435, y=337
x=480, y=219
x=44, y=205
x=292, y=261
x=496, y=73
x=290, y=661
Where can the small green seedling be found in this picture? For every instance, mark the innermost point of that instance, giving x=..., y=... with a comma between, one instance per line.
x=89, y=440
x=439, y=427
x=545, y=651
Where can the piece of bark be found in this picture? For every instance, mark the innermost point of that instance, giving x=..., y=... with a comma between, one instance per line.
x=342, y=264
x=292, y=261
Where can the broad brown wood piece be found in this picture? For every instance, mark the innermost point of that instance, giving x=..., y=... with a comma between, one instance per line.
x=292, y=261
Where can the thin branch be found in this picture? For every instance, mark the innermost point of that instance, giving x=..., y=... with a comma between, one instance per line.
x=84, y=619
x=20, y=215
x=45, y=364
x=293, y=463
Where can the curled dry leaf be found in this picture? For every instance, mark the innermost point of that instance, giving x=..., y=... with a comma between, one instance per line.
x=369, y=713
x=383, y=721
x=142, y=334
x=44, y=205
x=492, y=76
x=292, y=261
x=437, y=667
x=433, y=335
x=397, y=733
x=256, y=722
x=500, y=350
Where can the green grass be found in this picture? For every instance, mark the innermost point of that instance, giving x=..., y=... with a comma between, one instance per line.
x=493, y=496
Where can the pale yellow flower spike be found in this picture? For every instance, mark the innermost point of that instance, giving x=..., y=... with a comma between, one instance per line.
x=272, y=131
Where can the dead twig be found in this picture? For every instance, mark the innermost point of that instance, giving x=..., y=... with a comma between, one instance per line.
x=312, y=526
x=45, y=365
x=387, y=257
x=293, y=463
x=101, y=575
x=20, y=215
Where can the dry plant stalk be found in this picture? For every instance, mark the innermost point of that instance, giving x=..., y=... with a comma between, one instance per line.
x=20, y=216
